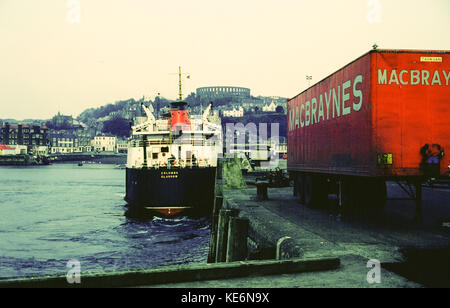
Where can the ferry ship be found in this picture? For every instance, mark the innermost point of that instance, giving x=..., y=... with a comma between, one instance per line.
x=172, y=162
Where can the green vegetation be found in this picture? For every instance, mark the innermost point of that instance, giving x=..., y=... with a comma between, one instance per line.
x=117, y=126
x=194, y=101
x=104, y=111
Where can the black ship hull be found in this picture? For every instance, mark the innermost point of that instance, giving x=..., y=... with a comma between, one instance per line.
x=168, y=192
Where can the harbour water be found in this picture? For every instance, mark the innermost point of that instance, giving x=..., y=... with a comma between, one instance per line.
x=52, y=214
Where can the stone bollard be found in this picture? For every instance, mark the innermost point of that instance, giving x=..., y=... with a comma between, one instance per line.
x=222, y=233
x=287, y=249
x=237, y=249
x=214, y=226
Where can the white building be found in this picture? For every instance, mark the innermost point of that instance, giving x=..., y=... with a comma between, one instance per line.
x=62, y=143
x=235, y=112
x=104, y=143
x=121, y=146
x=41, y=150
x=269, y=108
x=12, y=149
x=7, y=150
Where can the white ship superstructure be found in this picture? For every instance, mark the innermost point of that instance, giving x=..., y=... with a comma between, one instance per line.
x=179, y=144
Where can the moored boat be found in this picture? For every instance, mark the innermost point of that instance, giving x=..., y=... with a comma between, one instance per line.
x=172, y=161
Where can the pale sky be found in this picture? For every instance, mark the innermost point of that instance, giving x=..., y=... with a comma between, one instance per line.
x=123, y=49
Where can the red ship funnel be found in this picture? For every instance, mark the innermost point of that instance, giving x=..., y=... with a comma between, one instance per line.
x=179, y=119
x=179, y=116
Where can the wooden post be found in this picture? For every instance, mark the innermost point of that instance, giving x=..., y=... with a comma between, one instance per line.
x=237, y=249
x=222, y=233
x=214, y=227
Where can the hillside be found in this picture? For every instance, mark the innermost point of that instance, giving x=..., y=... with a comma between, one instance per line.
x=259, y=118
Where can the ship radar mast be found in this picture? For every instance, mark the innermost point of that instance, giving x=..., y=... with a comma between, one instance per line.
x=180, y=94
x=179, y=84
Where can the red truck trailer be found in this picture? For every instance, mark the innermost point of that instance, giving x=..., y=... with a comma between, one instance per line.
x=384, y=116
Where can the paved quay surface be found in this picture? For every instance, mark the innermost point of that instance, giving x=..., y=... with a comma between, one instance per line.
x=352, y=273
x=368, y=234
x=412, y=253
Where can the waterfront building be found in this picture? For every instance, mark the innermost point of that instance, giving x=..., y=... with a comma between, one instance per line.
x=83, y=141
x=121, y=145
x=24, y=134
x=42, y=150
x=104, y=143
x=77, y=142
x=12, y=149
x=7, y=150
x=62, y=143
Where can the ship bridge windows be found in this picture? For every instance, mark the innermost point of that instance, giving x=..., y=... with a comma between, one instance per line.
x=165, y=150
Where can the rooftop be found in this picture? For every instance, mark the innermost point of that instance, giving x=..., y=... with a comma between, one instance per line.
x=5, y=147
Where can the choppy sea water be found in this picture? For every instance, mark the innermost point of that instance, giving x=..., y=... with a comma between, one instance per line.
x=52, y=214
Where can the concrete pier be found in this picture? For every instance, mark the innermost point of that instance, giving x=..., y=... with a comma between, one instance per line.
x=222, y=233
x=237, y=246
x=214, y=226
x=281, y=228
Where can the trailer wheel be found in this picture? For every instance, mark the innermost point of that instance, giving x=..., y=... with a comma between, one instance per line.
x=300, y=188
x=316, y=192
x=309, y=191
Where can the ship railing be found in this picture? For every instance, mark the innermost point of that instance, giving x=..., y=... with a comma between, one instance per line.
x=176, y=164
x=140, y=143
x=194, y=142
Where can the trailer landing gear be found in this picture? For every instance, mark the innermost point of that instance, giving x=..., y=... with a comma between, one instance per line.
x=414, y=191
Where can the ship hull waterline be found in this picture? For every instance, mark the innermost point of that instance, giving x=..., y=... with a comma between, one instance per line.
x=170, y=192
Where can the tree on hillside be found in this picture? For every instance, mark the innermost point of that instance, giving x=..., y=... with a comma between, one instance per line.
x=192, y=100
x=279, y=109
x=117, y=126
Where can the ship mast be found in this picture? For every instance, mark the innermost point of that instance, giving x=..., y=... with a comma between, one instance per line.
x=179, y=83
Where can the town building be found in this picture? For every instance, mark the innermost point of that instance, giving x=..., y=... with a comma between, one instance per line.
x=24, y=134
x=104, y=143
x=269, y=108
x=121, y=145
x=83, y=141
x=235, y=112
x=42, y=150
x=60, y=121
x=7, y=150
x=62, y=143
x=13, y=149
x=76, y=142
